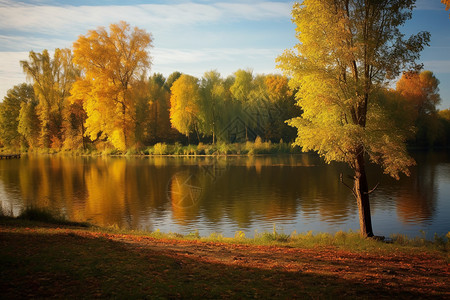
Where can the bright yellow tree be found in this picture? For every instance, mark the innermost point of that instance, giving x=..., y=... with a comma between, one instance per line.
x=185, y=104
x=112, y=62
x=347, y=51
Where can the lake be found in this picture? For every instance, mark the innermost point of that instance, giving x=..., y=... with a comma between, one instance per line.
x=227, y=194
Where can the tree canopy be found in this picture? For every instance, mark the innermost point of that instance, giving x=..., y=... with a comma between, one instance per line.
x=348, y=51
x=112, y=62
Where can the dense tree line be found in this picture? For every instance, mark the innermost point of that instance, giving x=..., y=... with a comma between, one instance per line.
x=99, y=96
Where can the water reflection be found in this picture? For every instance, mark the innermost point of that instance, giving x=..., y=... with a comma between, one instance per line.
x=218, y=194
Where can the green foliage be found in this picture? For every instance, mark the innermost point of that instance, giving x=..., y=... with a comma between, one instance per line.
x=160, y=149
x=10, y=115
x=52, y=80
x=29, y=124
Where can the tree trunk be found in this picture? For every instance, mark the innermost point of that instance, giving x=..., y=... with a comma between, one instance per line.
x=362, y=196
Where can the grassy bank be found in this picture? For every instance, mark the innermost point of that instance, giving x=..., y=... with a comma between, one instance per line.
x=46, y=259
x=249, y=148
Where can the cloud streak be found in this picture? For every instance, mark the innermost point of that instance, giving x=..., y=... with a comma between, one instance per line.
x=61, y=20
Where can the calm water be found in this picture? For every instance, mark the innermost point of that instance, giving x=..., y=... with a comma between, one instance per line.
x=226, y=194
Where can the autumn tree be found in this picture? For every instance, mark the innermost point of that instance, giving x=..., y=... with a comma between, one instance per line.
x=280, y=106
x=212, y=92
x=185, y=105
x=74, y=118
x=421, y=92
x=171, y=79
x=52, y=80
x=112, y=63
x=241, y=89
x=347, y=51
x=29, y=123
x=159, y=103
x=9, y=114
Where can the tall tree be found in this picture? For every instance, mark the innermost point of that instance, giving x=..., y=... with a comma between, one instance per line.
x=241, y=89
x=159, y=103
x=421, y=92
x=348, y=50
x=52, y=79
x=29, y=123
x=185, y=104
x=112, y=63
x=9, y=114
x=280, y=107
x=212, y=92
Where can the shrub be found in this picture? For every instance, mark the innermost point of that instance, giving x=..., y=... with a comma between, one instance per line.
x=160, y=149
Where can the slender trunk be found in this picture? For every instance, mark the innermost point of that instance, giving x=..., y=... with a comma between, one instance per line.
x=198, y=136
x=156, y=121
x=214, y=133
x=124, y=125
x=82, y=135
x=362, y=196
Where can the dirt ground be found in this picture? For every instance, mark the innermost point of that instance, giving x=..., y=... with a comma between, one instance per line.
x=195, y=269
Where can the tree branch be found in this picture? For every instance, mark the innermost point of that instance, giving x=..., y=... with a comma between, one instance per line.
x=372, y=190
x=341, y=179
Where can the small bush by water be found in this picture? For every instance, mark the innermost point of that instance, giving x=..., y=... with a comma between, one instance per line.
x=46, y=216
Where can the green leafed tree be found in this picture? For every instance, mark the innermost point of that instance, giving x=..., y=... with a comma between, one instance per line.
x=9, y=115
x=29, y=123
x=348, y=51
x=52, y=79
x=212, y=92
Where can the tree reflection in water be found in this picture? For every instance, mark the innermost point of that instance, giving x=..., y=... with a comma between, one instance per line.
x=212, y=194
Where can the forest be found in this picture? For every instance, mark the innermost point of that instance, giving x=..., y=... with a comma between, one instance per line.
x=99, y=96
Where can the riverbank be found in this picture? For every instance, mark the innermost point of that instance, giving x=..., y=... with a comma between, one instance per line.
x=257, y=147
x=65, y=261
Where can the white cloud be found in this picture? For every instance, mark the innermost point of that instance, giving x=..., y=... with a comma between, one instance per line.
x=10, y=70
x=172, y=56
x=226, y=61
x=437, y=66
x=63, y=20
x=256, y=11
x=19, y=43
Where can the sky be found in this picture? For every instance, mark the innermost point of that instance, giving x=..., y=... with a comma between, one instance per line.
x=190, y=36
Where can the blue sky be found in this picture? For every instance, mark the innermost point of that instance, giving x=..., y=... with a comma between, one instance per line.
x=190, y=36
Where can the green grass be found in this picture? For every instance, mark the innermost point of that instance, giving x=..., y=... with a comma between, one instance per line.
x=221, y=148
x=257, y=147
x=351, y=241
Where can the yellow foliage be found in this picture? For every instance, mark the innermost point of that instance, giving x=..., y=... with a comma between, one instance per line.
x=184, y=104
x=113, y=62
x=339, y=71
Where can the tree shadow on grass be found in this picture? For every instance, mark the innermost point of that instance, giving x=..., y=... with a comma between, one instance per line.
x=67, y=265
